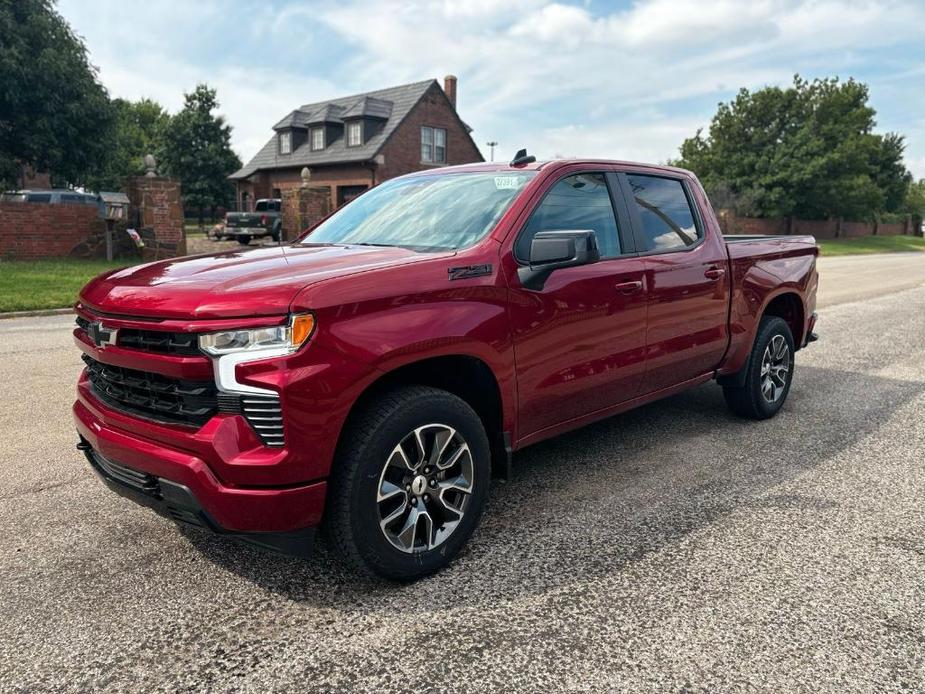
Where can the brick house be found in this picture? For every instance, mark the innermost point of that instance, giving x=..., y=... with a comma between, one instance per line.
x=355, y=142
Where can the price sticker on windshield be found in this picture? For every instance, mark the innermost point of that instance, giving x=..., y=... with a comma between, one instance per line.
x=507, y=182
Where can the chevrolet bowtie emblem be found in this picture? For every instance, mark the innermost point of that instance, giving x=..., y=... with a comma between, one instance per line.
x=101, y=336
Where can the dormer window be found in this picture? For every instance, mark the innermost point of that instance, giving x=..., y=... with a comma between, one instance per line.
x=317, y=140
x=285, y=142
x=354, y=134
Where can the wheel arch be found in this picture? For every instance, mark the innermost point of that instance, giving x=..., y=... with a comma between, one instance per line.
x=789, y=306
x=465, y=376
x=786, y=304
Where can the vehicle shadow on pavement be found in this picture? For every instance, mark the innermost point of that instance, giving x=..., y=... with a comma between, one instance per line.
x=592, y=502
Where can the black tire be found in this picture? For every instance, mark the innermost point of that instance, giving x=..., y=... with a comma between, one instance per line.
x=244, y=240
x=751, y=400
x=354, y=512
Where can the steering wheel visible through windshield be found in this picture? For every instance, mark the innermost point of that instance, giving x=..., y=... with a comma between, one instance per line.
x=424, y=213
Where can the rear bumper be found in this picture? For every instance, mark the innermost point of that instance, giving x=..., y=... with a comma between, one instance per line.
x=246, y=231
x=192, y=485
x=811, y=335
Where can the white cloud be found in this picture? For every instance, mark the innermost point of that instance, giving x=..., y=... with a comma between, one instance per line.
x=555, y=77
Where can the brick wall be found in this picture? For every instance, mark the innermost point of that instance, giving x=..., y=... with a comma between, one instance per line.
x=303, y=208
x=730, y=224
x=155, y=202
x=821, y=229
x=37, y=230
x=403, y=149
x=893, y=229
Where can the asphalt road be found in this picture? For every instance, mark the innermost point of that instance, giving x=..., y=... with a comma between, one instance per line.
x=673, y=548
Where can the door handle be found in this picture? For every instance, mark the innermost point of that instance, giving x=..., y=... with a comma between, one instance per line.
x=714, y=273
x=628, y=287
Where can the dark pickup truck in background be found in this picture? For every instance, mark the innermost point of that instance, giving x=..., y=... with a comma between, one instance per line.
x=373, y=373
x=265, y=220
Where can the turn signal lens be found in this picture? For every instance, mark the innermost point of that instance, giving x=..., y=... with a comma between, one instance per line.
x=302, y=327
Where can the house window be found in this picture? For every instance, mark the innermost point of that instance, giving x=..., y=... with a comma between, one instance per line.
x=317, y=138
x=354, y=134
x=433, y=145
x=285, y=143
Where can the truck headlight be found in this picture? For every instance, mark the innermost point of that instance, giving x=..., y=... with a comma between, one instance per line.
x=277, y=338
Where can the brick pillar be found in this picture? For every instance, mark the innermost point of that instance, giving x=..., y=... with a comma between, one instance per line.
x=154, y=202
x=303, y=208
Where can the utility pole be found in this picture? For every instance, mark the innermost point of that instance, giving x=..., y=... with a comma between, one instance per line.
x=492, y=144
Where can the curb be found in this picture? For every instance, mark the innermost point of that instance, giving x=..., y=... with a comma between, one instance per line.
x=43, y=312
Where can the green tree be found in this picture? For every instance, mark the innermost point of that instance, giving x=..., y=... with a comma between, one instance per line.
x=807, y=151
x=139, y=126
x=55, y=116
x=196, y=148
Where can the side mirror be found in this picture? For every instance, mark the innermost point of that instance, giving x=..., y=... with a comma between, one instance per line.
x=554, y=250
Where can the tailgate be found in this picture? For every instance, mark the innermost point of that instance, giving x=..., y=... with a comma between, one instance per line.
x=244, y=219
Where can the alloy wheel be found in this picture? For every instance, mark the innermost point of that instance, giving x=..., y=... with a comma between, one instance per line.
x=775, y=368
x=424, y=488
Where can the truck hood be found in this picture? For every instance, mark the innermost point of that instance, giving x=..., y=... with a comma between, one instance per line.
x=258, y=282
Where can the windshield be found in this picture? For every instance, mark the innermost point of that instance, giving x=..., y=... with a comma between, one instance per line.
x=431, y=212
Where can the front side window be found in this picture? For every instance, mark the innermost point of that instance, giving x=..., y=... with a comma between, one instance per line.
x=317, y=138
x=285, y=143
x=667, y=220
x=576, y=203
x=354, y=134
x=433, y=145
x=424, y=213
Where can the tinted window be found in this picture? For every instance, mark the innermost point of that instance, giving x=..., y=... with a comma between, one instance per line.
x=575, y=203
x=667, y=220
x=39, y=197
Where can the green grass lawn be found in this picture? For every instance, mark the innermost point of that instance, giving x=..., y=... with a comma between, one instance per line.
x=871, y=244
x=28, y=285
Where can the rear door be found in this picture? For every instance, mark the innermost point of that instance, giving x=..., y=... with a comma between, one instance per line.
x=579, y=342
x=688, y=286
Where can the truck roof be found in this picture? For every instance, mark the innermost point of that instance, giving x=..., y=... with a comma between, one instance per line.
x=551, y=163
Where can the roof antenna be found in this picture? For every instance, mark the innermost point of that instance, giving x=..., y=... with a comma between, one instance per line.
x=521, y=158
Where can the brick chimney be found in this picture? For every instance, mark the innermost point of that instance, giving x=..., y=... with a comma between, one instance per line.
x=449, y=87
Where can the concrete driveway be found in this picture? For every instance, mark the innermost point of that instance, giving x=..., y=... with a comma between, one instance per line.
x=672, y=548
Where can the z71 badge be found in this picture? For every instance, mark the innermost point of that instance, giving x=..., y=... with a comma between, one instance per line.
x=466, y=271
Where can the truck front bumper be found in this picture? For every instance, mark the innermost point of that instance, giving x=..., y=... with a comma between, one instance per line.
x=180, y=485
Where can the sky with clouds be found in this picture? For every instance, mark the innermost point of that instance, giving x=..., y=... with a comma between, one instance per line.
x=618, y=79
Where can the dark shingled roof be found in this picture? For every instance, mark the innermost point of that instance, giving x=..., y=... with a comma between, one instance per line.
x=392, y=104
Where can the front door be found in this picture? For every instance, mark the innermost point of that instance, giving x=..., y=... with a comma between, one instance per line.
x=688, y=288
x=579, y=342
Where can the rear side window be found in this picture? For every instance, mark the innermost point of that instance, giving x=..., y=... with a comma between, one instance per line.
x=575, y=203
x=39, y=197
x=667, y=220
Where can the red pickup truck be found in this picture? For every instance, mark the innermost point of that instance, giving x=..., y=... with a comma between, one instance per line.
x=371, y=376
